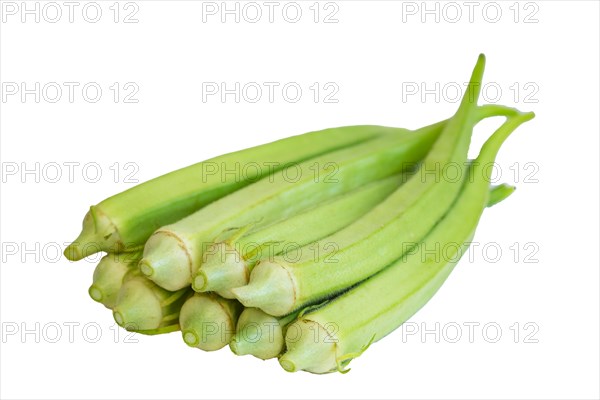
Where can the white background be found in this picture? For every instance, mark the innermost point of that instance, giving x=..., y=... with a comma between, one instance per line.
x=373, y=53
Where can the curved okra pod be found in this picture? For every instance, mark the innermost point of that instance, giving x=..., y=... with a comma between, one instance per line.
x=327, y=338
x=279, y=287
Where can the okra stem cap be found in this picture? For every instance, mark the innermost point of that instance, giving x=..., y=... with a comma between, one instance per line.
x=271, y=288
x=310, y=348
x=137, y=306
x=166, y=261
x=258, y=334
x=205, y=323
x=223, y=268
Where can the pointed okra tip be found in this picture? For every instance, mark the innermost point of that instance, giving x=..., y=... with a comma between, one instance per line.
x=479, y=67
x=73, y=252
x=81, y=248
x=499, y=193
x=98, y=233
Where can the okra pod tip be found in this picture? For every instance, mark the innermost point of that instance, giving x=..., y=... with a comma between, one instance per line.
x=98, y=233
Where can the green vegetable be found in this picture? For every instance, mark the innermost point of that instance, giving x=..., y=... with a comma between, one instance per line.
x=363, y=248
x=108, y=276
x=228, y=262
x=331, y=239
x=263, y=335
x=208, y=321
x=173, y=253
x=145, y=307
x=260, y=334
x=328, y=338
x=125, y=221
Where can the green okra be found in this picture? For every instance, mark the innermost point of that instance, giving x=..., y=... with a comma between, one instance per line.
x=208, y=321
x=228, y=262
x=108, y=276
x=145, y=307
x=260, y=334
x=363, y=248
x=124, y=221
x=172, y=255
x=326, y=339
